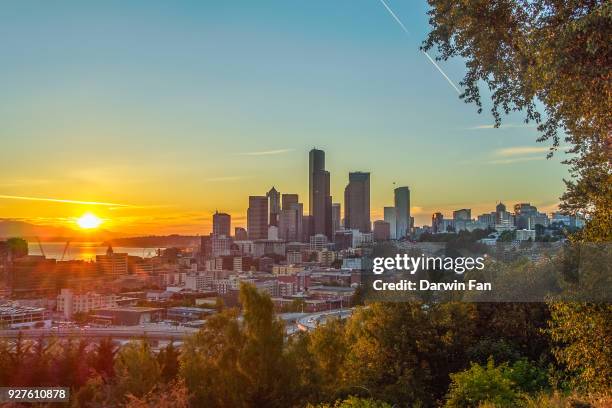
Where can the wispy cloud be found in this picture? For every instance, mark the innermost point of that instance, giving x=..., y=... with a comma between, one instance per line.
x=266, y=152
x=502, y=126
x=516, y=160
x=520, y=150
x=60, y=200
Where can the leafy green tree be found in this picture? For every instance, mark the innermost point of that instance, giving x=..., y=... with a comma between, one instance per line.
x=262, y=353
x=172, y=395
x=210, y=363
x=527, y=377
x=328, y=347
x=389, y=349
x=168, y=359
x=102, y=360
x=239, y=364
x=137, y=371
x=18, y=247
x=354, y=402
x=549, y=54
x=583, y=337
x=480, y=384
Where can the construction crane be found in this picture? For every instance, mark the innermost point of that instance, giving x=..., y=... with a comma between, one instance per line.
x=42, y=251
x=65, y=249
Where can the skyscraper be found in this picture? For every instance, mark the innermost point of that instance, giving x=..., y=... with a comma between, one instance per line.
x=290, y=222
x=319, y=197
x=257, y=217
x=389, y=215
x=222, y=224
x=437, y=221
x=402, y=212
x=357, y=202
x=336, y=217
x=288, y=199
x=274, y=205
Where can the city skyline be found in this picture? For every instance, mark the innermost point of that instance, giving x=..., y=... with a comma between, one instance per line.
x=155, y=130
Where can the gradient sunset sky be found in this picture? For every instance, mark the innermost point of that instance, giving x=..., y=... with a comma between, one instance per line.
x=162, y=112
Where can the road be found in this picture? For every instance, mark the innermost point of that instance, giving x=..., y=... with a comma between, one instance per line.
x=151, y=332
x=311, y=321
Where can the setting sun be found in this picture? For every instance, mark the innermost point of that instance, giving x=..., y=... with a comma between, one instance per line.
x=89, y=221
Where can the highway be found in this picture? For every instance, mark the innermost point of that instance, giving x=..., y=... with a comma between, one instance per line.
x=311, y=321
x=150, y=331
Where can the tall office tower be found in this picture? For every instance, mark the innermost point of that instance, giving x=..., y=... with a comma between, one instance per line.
x=307, y=228
x=222, y=223
x=318, y=188
x=287, y=200
x=402, y=212
x=336, y=217
x=240, y=234
x=290, y=222
x=437, y=221
x=357, y=202
x=500, y=213
x=382, y=231
x=257, y=217
x=389, y=216
x=274, y=205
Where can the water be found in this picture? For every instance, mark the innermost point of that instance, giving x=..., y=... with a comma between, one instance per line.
x=83, y=250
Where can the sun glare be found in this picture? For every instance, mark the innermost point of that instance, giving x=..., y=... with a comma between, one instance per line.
x=89, y=221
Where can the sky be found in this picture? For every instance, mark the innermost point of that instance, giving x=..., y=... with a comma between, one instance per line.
x=163, y=112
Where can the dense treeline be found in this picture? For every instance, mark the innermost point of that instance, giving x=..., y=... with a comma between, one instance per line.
x=402, y=354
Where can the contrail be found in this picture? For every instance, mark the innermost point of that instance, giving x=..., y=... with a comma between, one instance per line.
x=58, y=200
x=396, y=18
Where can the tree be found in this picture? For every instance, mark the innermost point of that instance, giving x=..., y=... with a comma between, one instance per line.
x=174, y=395
x=583, y=337
x=168, y=359
x=542, y=53
x=480, y=384
x=328, y=348
x=18, y=247
x=354, y=402
x=137, y=371
x=239, y=364
x=262, y=354
x=103, y=358
x=389, y=349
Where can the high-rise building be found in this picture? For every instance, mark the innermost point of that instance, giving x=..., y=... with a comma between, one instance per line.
x=290, y=222
x=257, y=217
x=402, y=212
x=287, y=200
x=464, y=214
x=113, y=263
x=357, y=202
x=389, y=215
x=319, y=197
x=307, y=226
x=437, y=220
x=240, y=234
x=274, y=205
x=222, y=223
x=501, y=214
x=220, y=245
x=336, y=217
x=382, y=231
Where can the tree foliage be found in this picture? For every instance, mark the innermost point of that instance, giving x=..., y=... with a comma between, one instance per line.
x=554, y=54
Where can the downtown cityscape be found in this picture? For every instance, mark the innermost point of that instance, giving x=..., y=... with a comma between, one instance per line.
x=307, y=263
x=312, y=204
